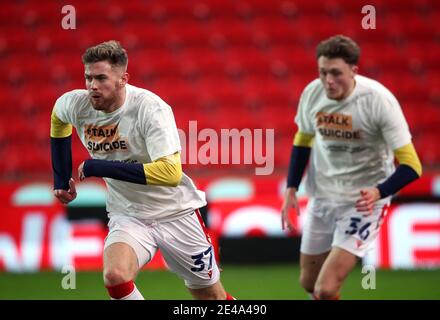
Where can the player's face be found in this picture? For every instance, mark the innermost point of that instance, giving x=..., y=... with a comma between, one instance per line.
x=337, y=76
x=105, y=85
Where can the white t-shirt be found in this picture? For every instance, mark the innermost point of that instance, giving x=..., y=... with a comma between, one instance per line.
x=142, y=130
x=354, y=138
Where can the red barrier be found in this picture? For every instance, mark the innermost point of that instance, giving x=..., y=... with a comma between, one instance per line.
x=35, y=234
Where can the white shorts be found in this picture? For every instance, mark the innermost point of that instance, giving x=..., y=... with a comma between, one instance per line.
x=330, y=224
x=184, y=244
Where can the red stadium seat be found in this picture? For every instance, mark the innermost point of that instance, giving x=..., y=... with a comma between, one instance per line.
x=189, y=32
x=296, y=59
x=251, y=60
x=206, y=59
x=231, y=31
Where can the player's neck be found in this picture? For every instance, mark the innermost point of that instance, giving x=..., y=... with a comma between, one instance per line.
x=349, y=91
x=119, y=101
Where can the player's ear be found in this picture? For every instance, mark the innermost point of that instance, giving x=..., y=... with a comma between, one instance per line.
x=354, y=69
x=124, y=79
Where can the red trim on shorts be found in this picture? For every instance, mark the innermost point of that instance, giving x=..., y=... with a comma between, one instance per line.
x=202, y=224
x=120, y=291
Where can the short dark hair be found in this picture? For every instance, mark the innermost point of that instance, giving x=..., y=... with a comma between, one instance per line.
x=339, y=46
x=110, y=51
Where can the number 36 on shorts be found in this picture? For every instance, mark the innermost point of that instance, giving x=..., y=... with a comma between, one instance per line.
x=357, y=227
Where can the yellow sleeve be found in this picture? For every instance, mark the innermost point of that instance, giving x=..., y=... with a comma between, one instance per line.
x=166, y=171
x=303, y=139
x=59, y=129
x=407, y=155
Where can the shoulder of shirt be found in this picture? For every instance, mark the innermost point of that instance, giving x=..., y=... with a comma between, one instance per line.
x=146, y=99
x=313, y=88
x=74, y=97
x=374, y=89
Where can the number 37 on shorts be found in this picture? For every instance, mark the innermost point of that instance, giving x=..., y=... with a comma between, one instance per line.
x=201, y=259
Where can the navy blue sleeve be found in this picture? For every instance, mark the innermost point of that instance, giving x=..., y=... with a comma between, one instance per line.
x=400, y=178
x=299, y=158
x=61, y=155
x=130, y=172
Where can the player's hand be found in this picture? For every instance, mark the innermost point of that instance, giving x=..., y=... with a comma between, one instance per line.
x=290, y=201
x=367, y=200
x=81, y=172
x=66, y=196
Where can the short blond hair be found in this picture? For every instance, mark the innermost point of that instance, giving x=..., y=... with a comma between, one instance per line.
x=110, y=51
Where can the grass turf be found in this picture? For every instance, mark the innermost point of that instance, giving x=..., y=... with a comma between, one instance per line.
x=272, y=282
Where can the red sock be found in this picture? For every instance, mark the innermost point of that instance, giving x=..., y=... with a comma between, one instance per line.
x=334, y=298
x=229, y=297
x=120, y=290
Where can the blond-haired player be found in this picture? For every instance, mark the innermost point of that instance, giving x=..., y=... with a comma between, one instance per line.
x=131, y=136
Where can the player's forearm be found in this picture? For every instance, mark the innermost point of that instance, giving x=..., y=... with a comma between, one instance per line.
x=409, y=169
x=299, y=158
x=61, y=151
x=161, y=172
x=403, y=176
x=61, y=155
x=130, y=172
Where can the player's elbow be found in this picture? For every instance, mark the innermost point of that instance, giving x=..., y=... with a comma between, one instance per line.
x=164, y=172
x=420, y=172
x=175, y=177
x=417, y=167
x=407, y=155
x=174, y=170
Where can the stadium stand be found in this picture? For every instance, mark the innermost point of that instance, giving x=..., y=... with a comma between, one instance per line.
x=224, y=63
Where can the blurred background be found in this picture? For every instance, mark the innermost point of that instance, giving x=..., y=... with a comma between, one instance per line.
x=225, y=64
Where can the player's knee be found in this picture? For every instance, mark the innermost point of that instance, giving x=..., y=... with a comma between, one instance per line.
x=214, y=292
x=116, y=275
x=325, y=292
x=212, y=296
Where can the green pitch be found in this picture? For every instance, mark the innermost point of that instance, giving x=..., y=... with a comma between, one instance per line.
x=244, y=282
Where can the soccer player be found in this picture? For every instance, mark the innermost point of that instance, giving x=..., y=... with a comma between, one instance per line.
x=131, y=136
x=351, y=127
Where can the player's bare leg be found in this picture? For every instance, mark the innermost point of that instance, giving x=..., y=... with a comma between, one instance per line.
x=120, y=269
x=334, y=271
x=310, y=268
x=214, y=292
x=120, y=264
